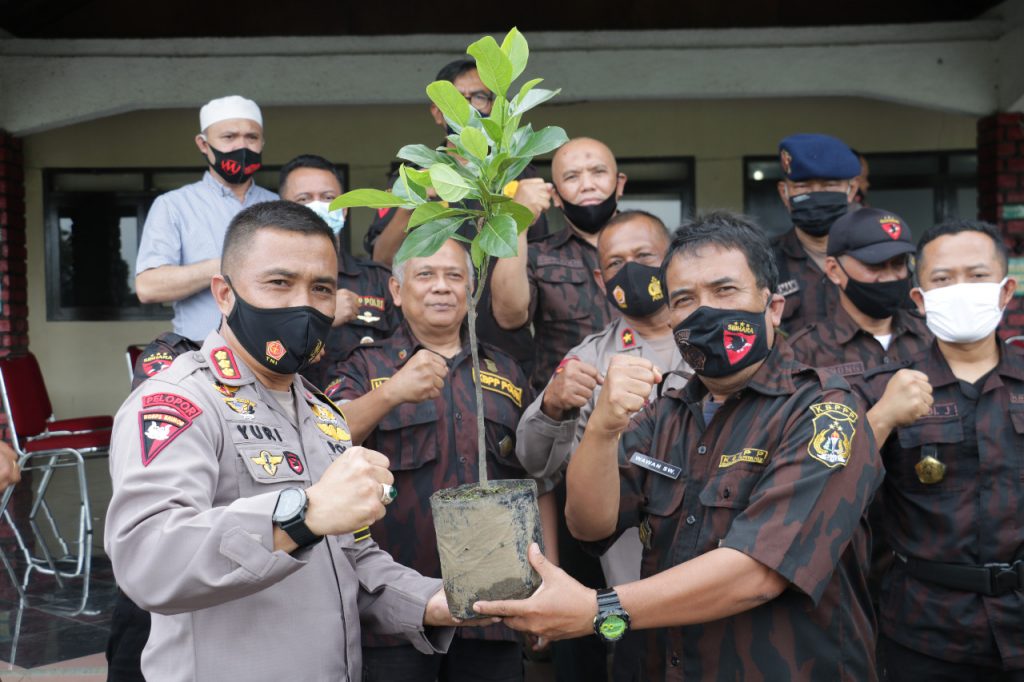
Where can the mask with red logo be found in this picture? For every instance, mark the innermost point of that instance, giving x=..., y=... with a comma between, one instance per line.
x=717, y=342
x=236, y=166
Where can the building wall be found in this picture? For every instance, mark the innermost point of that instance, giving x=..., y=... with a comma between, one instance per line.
x=84, y=361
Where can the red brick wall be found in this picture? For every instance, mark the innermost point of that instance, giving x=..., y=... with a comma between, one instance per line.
x=1001, y=182
x=13, y=283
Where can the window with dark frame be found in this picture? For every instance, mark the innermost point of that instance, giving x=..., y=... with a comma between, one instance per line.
x=93, y=222
x=923, y=188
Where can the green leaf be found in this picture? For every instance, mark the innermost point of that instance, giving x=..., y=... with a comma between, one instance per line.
x=531, y=99
x=527, y=86
x=522, y=215
x=448, y=184
x=499, y=237
x=513, y=171
x=474, y=142
x=421, y=155
x=420, y=177
x=543, y=141
x=492, y=65
x=450, y=101
x=477, y=253
x=369, y=198
x=434, y=210
x=408, y=190
x=492, y=129
x=426, y=239
x=517, y=50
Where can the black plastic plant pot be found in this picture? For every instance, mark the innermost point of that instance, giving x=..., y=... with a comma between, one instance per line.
x=483, y=534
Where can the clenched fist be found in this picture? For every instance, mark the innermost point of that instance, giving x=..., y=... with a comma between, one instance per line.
x=570, y=388
x=627, y=385
x=346, y=307
x=907, y=397
x=348, y=496
x=422, y=378
x=534, y=194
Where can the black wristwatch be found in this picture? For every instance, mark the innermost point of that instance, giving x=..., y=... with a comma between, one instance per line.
x=290, y=516
x=611, y=622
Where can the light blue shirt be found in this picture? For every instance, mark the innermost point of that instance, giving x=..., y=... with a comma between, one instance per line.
x=186, y=226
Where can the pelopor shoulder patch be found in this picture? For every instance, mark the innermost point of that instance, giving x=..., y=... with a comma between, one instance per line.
x=833, y=433
x=163, y=417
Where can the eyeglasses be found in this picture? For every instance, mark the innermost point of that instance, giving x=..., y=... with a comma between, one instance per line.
x=480, y=99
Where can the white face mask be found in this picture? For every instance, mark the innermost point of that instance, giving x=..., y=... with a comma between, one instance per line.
x=963, y=313
x=334, y=219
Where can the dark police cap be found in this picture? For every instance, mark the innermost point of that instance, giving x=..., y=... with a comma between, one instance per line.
x=811, y=156
x=871, y=235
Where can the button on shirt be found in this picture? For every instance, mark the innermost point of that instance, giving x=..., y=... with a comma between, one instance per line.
x=788, y=470
x=972, y=516
x=198, y=456
x=186, y=226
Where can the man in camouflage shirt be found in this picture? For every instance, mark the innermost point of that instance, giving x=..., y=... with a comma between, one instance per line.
x=867, y=261
x=412, y=396
x=551, y=282
x=749, y=485
x=952, y=605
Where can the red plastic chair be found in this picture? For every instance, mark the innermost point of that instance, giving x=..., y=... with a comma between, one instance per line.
x=131, y=354
x=1015, y=341
x=48, y=445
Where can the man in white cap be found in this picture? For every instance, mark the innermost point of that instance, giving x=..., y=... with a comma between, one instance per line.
x=184, y=231
x=179, y=253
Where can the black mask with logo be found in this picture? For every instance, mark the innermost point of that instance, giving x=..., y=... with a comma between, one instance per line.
x=590, y=219
x=284, y=340
x=717, y=342
x=236, y=166
x=636, y=289
x=815, y=212
x=877, y=300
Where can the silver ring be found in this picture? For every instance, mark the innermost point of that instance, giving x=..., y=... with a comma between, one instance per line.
x=388, y=493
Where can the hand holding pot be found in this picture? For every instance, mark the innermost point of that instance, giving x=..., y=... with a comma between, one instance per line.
x=422, y=378
x=627, y=385
x=561, y=608
x=573, y=384
x=348, y=496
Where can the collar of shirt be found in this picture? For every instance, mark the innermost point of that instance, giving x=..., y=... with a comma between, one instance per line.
x=223, y=191
x=347, y=263
x=791, y=245
x=403, y=344
x=562, y=237
x=231, y=371
x=844, y=328
x=933, y=363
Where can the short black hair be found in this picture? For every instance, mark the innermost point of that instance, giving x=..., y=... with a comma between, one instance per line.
x=633, y=214
x=269, y=215
x=958, y=225
x=452, y=70
x=727, y=230
x=307, y=161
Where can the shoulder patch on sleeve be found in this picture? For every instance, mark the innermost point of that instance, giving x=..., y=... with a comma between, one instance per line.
x=833, y=433
x=163, y=417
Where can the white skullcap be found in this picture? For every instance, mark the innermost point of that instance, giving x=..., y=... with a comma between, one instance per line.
x=225, y=108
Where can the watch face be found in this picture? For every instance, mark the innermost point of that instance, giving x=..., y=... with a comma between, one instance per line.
x=289, y=503
x=613, y=627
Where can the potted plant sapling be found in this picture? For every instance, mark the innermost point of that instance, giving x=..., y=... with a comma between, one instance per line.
x=483, y=529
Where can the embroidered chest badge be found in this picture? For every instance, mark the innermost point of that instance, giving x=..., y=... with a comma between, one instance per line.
x=833, y=433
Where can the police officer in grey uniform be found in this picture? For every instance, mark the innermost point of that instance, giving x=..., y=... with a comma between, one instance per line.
x=240, y=510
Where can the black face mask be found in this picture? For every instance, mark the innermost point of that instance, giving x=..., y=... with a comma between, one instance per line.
x=284, y=340
x=236, y=167
x=590, y=219
x=815, y=212
x=717, y=342
x=636, y=290
x=877, y=300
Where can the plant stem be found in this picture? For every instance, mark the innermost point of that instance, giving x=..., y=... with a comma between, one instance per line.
x=481, y=436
